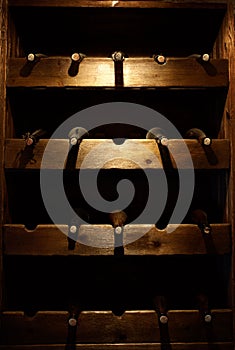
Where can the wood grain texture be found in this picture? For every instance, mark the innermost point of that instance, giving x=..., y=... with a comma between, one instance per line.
x=137, y=72
x=3, y=53
x=105, y=154
x=123, y=3
x=96, y=327
x=146, y=240
x=130, y=346
x=225, y=48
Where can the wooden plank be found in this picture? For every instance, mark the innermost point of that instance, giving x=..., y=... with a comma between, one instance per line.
x=96, y=327
x=185, y=240
x=99, y=72
x=126, y=156
x=120, y=346
x=123, y=3
x=224, y=48
x=52, y=240
x=3, y=53
x=175, y=73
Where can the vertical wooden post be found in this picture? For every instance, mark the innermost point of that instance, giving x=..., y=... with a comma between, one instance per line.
x=224, y=48
x=3, y=53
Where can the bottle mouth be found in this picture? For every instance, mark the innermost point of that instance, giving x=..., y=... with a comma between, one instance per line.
x=206, y=57
x=206, y=141
x=160, y=59
x=72, y=322
x=164, y=141
x=207, y=318
x=75, y=57
x=31, y=57
x=118, y=230
x=163, y=319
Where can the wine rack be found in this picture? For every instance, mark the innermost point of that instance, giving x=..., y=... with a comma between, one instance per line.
x=59, y=57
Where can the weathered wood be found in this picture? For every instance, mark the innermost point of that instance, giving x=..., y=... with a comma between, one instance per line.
x=138, y=72
x=121, y=346
x=224, y=48
x=52, y=240
x=104, y=153
x=104, y=327
x=3, y=53
x=123, y=3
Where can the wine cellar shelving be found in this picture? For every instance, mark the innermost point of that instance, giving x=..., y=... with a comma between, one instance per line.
x=60, y=293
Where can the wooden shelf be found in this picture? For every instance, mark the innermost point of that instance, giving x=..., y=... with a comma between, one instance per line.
x=129, y=346
x=49, y=240
x=19, y=156
x=137, y=72
x=123, y=3
x=104, y=327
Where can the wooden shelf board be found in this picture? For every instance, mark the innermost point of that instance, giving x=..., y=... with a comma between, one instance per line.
x=104, y=327
x=123, y=3
x=137, y=72
x=51, y=240
x=126, y=156
x=129, y=346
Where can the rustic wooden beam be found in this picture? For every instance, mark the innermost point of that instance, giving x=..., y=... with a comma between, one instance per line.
x=3, y=58
x=224, y=48
x=147, y=240
x=123, y=3
x=20, y=156
x=129, y=346
x=137, y=72
x=104, y=327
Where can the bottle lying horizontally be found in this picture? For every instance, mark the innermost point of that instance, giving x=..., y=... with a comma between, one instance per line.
x=34, y=137
x=77, y=134
x=118, y=219
x=159, y=302
x=199, y=217
x=199, y=135
x=159, y=135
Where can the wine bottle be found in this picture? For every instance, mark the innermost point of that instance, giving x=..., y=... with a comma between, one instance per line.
x=160, y=307
x=118, y=219
x=74, y=312
x=35, y=57
x=203, y=306
x=160, y=59
x=33, y=138
x=76, y=58
x=158, y=135
x=118, y=56
x=198, y=134
x=77, y=134
x=203, y=58
x=199, y=217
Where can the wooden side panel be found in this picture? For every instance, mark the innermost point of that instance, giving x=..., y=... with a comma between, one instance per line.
x=3, y=53
x=104, y=327
x=137, y=72
x=132, y=154
x=52, y=240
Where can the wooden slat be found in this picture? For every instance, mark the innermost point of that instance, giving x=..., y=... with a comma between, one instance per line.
x=146, y=152
x=104, y=327
x=52, y=240
x=123, y=3
x=135, y=346
x=138, y=72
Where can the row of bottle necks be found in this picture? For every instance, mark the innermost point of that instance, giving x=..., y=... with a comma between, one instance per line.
x=159, y=304
x=118, y=220
x=76, y=135
x=118, y=57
